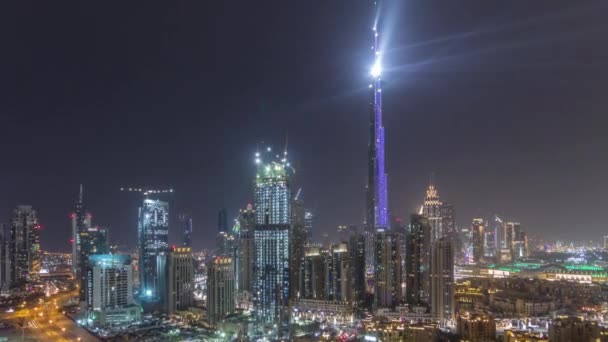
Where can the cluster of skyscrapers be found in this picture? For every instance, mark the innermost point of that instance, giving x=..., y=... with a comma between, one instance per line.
x=106, y=280
x=503, y=243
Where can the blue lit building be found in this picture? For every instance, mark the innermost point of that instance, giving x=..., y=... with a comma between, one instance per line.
x=271, y=235
x=109, y=295
x=153, y=242
x=377, y=194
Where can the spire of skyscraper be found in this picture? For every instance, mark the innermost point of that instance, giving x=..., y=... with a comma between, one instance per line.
x=80, y=194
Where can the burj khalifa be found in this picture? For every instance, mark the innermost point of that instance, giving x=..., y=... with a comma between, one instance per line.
x=377, y=197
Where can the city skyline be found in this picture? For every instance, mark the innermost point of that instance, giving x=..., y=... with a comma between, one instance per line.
x=496, y=147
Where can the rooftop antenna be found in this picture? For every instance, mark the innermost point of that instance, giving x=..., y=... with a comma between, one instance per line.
x=80, y=194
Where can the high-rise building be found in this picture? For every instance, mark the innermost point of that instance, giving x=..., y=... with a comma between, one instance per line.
x=222, y=220
x=515, y=240
x=490, y=244
x=356, y=250
x=179, y=280
x=93, y=240
x=309, y=219
x=298, y=241
x=377, y=194
x=273, y=218
x=417, y=263
x=153, y=242
x=478, y=231
x=442, y=279
x=342, y=233
x=246, y=249
x=220, y=288
x=272, y=283
x=432, y=210
x=387, y=272
x=520, y=245
x=5, y=261
x=509, y=229
x=109, y=296
x=337, y=272
x=24, y=245
x=81, y=222
x=185, y=222
x=448, y=221
x=313, y=278
x=226, y=244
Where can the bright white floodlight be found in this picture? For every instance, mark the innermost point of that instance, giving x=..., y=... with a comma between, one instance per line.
x=376, y=69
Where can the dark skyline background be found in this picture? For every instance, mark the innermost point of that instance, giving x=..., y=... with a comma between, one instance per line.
x=504, y=101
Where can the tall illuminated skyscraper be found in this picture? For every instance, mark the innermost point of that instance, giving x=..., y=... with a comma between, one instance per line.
x=387, y=272
x=377, y=197
x=153, y=242
x=431, y=209
x=298, y=240
x=109, y=296
x=478, y=233
x=309, y=220
x=273, y=218
x=442, y=279
x=24, y=245
x=246, y=249
x=81, y=222
x=417, y=263
x=356, y=251
x=179, y=280
x=220, y=288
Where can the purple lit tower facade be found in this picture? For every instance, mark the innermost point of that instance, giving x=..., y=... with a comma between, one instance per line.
x=377, y=201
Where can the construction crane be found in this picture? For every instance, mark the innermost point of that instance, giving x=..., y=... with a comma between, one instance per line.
x=147, y=191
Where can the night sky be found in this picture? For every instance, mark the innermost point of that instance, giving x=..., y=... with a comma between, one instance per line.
x=504, y=101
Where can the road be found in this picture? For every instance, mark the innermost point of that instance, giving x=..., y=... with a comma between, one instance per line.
x=45, y=322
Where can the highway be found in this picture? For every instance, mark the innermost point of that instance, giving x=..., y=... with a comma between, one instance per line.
x=44, y=322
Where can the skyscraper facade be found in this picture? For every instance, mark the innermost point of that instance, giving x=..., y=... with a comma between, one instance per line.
x=109, y=295
x=478, y=231
x=309, y=219
x=180, y=280
x=185, y=222
x=377, y=194
x=337, y=273
x=298, y=241
x=220, y=288
x=432, y=210
x=387, y=272
x=222, y=220
x=92, y=240
x=417, y=263
x=246, y=249
x=313, y=278
x=81, y=222
x=5, y=261
x=272, y=240
x=490, y=244
x=442, y=279
x=24, y=245
x=356, y=250
x=153, y=242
